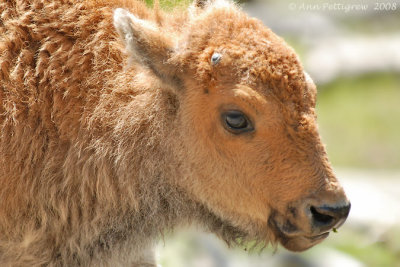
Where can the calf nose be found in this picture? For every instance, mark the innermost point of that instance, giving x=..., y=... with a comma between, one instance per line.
x=326, y=217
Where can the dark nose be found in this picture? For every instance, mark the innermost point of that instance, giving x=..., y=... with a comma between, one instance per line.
x=326, y=217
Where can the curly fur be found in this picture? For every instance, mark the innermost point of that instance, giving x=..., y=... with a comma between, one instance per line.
x=98, y=158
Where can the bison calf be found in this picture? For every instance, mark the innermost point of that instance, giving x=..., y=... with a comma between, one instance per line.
x=119, y=122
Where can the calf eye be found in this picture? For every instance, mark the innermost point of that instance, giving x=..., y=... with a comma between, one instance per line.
x=236, y=122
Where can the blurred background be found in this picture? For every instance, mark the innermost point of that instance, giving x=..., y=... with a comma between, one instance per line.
x=352, y=51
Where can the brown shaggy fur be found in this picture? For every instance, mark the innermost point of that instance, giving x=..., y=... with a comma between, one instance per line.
x=99, y=157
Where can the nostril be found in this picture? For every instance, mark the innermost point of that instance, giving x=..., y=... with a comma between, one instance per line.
x=320, y=218
x=325, y=217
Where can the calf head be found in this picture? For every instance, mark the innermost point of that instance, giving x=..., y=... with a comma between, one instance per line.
x=248, y=139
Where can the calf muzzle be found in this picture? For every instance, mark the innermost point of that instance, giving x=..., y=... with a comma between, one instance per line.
x=302, y=228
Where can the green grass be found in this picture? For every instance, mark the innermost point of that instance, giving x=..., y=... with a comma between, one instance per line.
x=359, y=120
x=170, y=4
x=384, y=251
x=383, y=22
x=376, y=254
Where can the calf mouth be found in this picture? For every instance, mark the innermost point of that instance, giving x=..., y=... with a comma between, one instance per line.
x=319, y=237
x=294, y=239
x=302, y=243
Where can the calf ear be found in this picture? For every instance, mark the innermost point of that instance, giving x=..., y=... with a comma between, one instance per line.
x=146, y=44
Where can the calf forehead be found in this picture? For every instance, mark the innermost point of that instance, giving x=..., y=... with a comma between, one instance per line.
x=254, y=55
